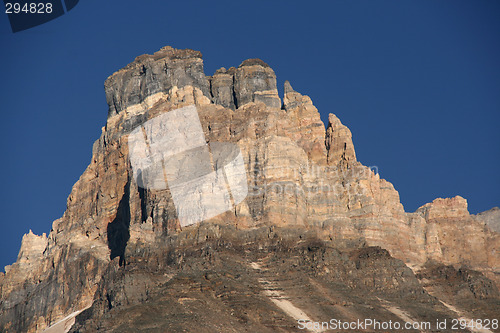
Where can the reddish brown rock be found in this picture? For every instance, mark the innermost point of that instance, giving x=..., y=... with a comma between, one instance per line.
x=300, y=178
x=339, y=142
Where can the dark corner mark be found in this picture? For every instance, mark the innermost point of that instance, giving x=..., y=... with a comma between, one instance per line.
x=118, y=229
x=70, y=4
x=26, y=14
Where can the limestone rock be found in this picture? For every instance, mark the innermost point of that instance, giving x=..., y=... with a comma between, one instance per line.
x=32, y=246
x=154, y=74
x=491, y=218
x=448, y=208
x=301, y=178
x=453, y=236
x=252, y=81
x=309, y=130
x=255, y=81
x=222, y=87
x=339, y=142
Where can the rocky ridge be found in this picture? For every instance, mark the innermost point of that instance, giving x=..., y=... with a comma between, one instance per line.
x=305, y=184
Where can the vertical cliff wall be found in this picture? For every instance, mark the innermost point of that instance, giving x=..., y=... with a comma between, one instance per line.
x=300, y=175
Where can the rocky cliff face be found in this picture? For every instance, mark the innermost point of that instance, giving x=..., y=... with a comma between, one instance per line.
x=302, y=179
x=491, y=218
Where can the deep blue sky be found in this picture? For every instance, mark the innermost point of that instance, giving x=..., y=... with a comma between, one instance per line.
x=417, y=82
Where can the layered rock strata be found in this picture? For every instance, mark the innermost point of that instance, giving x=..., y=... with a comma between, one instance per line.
x=300, y=176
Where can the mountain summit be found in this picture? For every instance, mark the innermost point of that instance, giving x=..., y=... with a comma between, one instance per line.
x=306, y=233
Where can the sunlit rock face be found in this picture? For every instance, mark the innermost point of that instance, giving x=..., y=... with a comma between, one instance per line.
x=491, y=218
x=301, y=179
x=454, y=236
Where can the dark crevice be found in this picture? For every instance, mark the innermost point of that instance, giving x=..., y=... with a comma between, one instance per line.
x=143, y=197
x=233, y=88
x=210, y=87
x=118, y=230
x=144, y=213
x=110, y=303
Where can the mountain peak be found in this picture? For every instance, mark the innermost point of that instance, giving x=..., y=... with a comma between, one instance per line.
x=253, y=62
x=277, y=195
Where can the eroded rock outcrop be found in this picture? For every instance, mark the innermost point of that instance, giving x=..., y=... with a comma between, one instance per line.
x=149, y=77
x=454, y=236
x=339, y=143
x=255, y=81
x=491, y=218
x=300, y=177
x=32, y=246
x=222, y=87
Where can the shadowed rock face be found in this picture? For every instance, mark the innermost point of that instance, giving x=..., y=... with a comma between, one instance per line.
x=153, y=74
x=222, y=87
x=118, y=230
x=252, y=81
x=255, y=81
x=342, y=229
x=223, y=284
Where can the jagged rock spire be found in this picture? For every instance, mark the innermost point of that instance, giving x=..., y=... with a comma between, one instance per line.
x=339, y=142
